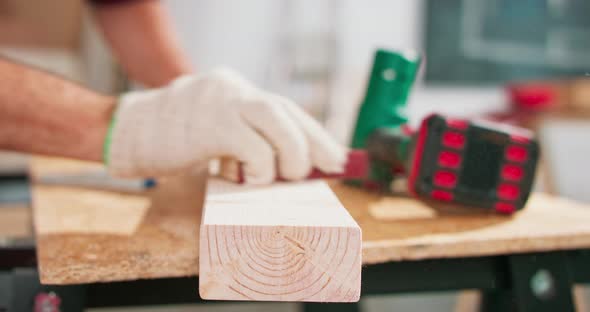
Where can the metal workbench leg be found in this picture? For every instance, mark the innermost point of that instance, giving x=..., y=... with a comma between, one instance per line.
x=539, y=282
x=328, y=307
x=25, y=293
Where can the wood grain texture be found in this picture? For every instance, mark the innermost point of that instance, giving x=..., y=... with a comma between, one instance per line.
x=165, y=244
x=98, y=217
x=284, y=242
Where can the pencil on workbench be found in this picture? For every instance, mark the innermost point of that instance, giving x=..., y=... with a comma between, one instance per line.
x=99, y=180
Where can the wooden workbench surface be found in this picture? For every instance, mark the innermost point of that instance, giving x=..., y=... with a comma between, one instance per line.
x=90, y=235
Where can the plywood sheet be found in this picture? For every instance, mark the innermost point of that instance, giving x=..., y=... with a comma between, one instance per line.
x=165, y=243
x=414, y=230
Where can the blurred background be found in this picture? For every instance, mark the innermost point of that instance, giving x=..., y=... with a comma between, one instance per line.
x=525, y=62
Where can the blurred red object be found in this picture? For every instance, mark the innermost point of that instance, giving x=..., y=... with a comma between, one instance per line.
x=534, y=96
x=47, y=302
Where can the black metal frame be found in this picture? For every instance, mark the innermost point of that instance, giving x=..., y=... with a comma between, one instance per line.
x=508, y=282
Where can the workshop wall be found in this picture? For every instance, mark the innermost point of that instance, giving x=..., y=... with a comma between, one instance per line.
x=258, y=39
x=251, y=38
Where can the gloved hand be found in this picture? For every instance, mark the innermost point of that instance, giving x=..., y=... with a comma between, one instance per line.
x=219, y=114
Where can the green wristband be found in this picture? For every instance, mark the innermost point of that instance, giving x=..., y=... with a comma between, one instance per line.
x=106, y=149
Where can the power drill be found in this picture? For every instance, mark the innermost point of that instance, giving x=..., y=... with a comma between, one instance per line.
x=473, y=163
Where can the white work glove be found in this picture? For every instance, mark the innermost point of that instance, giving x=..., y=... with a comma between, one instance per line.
x=219, y=114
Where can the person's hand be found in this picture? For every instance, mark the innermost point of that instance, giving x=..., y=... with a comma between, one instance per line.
x=219, y=114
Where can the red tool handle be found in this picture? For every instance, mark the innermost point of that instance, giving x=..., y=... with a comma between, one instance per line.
x=357, y=167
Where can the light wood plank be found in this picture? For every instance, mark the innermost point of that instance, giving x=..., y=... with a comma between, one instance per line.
x=285, y=242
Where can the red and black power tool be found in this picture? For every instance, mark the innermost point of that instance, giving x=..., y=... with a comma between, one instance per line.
x=474, y=163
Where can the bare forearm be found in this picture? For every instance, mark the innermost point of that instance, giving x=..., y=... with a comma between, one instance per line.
x=44, y=114
x=141, y=36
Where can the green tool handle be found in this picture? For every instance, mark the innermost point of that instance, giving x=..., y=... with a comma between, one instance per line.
x=389, y=86
x=383, y=107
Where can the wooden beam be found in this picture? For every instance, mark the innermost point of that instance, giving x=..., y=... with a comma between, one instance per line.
x=285, y=242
